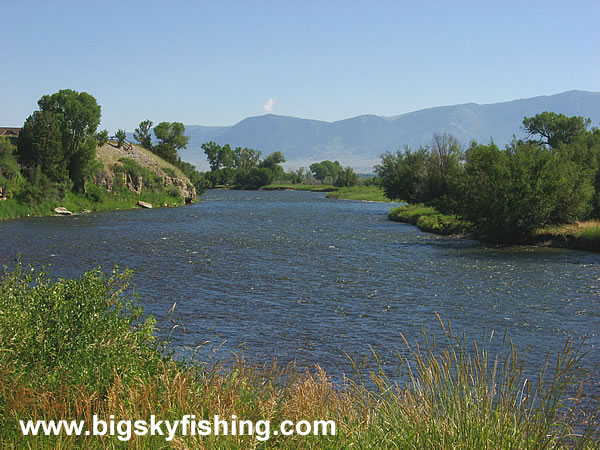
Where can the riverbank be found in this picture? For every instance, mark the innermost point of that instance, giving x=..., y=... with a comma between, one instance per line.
x=78, y=204
x=428, y=219
x=576, y=236
x=299, y=187
x=129, y=175
x=104, y=360
x=362, y=193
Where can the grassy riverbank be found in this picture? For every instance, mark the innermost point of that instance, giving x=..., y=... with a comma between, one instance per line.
x=363, y=193
x=430, y=220
x=579, y=235
x=299, y=187
x=76, y=203
x=70, y=349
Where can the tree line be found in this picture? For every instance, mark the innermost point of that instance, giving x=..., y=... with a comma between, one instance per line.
x=552, y=177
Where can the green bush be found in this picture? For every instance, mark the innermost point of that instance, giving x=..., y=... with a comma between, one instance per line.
x=83, y=331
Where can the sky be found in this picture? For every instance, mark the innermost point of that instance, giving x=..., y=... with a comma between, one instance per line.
x=216, y=63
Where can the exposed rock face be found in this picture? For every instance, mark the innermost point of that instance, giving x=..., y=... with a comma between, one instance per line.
x=62, y=211
x=188, y=191
x=104, y=179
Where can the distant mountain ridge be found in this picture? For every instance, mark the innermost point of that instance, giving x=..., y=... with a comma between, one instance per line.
x=360, y=141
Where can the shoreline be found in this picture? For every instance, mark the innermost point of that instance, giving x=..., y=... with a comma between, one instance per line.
x=429, y=220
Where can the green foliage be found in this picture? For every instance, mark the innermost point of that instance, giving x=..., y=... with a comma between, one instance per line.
x=142, y=134
x=200, y=182
x=240, y=166
x=40, y=144
x=273, y=164
x=346, y=178
x=130, y=167
x=404, y=175
x=121, y=137
x=246, y=158
x=101, y=137
x=555, y=129
x=81, y=331
x=10, y=174
x=166, y=152
x=58, y=137
x=430, y=220
x=508, y=194
x=254, y=178
x=170, y=172
x=360, y=192
x=171, y=133
x=326, y=171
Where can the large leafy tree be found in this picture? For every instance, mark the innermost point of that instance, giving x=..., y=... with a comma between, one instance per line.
x=246, y=158
x=60, y=136
x=555, y=129
x=326, y=170
x=171, y=133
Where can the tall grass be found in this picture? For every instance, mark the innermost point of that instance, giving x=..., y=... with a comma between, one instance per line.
x=70, y=349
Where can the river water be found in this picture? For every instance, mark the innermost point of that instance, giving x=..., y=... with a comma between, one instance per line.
x=297, y=276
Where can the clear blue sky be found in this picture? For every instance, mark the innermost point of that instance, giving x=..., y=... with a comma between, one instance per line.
x=215, y=63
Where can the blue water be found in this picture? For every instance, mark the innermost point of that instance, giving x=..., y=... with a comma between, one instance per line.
x=296, y=276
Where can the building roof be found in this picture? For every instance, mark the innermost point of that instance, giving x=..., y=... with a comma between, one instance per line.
x=6, y=131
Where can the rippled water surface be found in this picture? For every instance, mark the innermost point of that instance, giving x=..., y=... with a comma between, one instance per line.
x=294, y=275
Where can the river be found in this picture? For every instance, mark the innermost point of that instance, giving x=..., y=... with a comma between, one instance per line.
x=297, y=276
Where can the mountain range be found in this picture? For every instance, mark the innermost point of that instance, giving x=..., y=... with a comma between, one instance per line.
x=359, y=141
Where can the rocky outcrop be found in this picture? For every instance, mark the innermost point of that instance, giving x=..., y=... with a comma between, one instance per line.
x=61, y=210
x=188, y=191
x=144, y=204
x=104, y=179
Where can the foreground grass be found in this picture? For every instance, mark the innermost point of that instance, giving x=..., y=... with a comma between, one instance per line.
x=70, y=349
x=430, y=220
x=363, y=193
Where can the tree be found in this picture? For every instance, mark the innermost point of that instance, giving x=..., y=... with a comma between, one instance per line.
x=40, y=144
x=346, y=178
x=404, y=175
x=166, y=152
x=555, y=129
x=121, y=136
x=70, y=117
x=226, y=157
x=101, y=137
x=172, y=134
x=326, y=170
x=246, y=158
x=509, y=193
x=9, y=168
x=272, y=161
x=81, y=116
x=212, y=152
x=142, y=134
x=254, y=178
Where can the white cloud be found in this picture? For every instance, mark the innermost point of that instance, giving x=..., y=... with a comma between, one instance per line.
x=268, y=107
